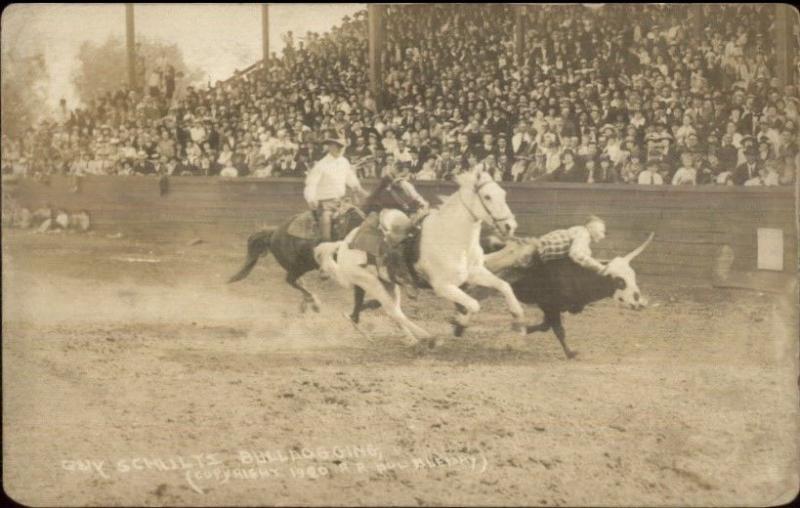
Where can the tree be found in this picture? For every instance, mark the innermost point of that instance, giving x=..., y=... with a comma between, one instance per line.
x=103, y=68
x=24, y=81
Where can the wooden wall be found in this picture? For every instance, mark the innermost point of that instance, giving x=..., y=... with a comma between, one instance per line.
x=691, y=224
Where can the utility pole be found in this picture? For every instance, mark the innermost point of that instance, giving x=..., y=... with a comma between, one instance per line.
x=519, y=33
x=375, y=24
x=265, y=38
x=786, y=20
x=130, y=38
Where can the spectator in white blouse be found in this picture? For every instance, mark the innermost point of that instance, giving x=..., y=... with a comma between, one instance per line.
x=687, y=173
x=650, y=175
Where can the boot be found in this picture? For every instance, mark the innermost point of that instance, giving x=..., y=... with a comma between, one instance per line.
x=398, y=270
x=325, y=226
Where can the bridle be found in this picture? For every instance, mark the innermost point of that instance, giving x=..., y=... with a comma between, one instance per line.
x=495, y=221
x=399, y=195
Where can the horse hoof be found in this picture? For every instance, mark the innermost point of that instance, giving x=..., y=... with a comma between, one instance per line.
x=571, y=354
x=423, y=346
x=371, y=304
x=315, y=307
x=458, y=329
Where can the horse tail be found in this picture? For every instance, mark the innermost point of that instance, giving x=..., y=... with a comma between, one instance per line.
x=257, y=246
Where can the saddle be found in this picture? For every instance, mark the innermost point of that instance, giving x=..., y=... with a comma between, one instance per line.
x=398, y=261
x=306, y=226
x=370, y=239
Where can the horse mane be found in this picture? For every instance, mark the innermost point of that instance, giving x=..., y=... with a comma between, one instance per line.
x=371, y=202
x=452, y=197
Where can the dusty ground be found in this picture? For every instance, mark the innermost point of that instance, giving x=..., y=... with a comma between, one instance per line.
x=115, y=351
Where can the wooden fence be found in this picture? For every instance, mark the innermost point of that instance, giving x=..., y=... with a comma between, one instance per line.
x=691, y=223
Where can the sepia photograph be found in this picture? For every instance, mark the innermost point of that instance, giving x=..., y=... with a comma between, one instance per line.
x=400, y=254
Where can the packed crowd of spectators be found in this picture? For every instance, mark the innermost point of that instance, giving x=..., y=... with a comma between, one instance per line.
x=612, y=94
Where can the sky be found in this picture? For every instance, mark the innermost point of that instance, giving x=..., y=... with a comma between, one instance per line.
x=218, y=38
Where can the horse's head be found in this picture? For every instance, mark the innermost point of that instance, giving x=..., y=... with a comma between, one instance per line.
x=389, y=194
x=486, y=200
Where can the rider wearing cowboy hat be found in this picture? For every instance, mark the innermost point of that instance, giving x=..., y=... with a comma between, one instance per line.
x=400, y=175
x=327, y=183
x=394, y=258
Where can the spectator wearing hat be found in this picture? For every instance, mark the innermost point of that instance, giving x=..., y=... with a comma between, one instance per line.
x=685, y=130
x=605, y=171
x=184, y=168
x=631, y=168
x=503, y=149
x=750, y=169
x=570, y=170
x=764, y=150
x=446, y=165
x=143, y=164
x=707, y=168
x=728, y=154
x=521, y=139
x=486, y=148
x=668, y=82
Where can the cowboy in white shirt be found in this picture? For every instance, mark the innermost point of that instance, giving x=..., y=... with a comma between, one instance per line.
x=327, y=184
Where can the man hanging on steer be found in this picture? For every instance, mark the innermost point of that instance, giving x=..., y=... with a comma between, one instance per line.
x=327, y=184
x=574, y=242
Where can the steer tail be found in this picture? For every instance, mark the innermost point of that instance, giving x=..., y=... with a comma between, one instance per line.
x=257, y=246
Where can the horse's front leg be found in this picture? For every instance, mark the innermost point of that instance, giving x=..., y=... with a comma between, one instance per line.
x=465, y=305
x=481, y=276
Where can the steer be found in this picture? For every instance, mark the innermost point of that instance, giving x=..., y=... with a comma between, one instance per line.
x=562, y=285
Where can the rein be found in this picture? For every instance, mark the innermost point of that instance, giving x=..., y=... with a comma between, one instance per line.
x=399, y=197
x=495, y=221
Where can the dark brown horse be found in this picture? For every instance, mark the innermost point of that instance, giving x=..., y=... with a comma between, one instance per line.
x=296, y=255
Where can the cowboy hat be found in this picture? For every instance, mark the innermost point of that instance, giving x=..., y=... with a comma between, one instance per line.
x=336, y=141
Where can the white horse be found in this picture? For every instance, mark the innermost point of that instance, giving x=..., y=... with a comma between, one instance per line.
x=450, y=254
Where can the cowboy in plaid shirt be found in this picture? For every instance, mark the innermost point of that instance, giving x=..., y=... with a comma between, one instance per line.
x=575, y=243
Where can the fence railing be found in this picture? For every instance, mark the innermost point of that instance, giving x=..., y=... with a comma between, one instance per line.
x=691, y=224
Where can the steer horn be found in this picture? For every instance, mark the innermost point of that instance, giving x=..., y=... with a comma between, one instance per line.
x=638, y=250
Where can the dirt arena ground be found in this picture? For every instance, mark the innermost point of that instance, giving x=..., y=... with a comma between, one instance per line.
x=133, y=376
